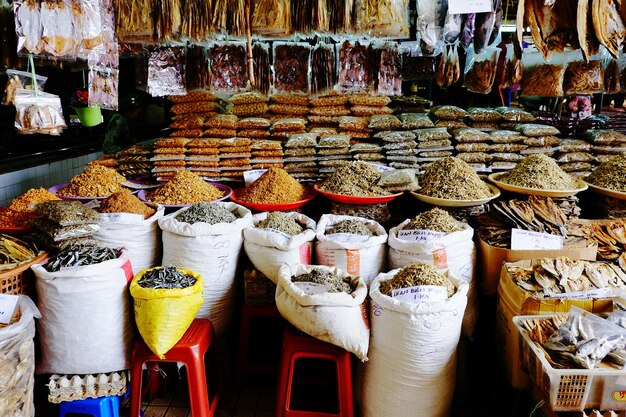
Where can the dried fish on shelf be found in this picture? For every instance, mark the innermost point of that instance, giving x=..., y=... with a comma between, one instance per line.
x=540, y=172
x=539, y=214
x=610, y=174
x=583, y=78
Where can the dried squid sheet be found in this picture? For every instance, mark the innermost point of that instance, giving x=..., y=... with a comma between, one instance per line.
x=38, y=114
x=261, y=57
x=167, y=19
x=552, y=27
x=389, y=75
x=88, y=26
x=382, y=18
x=291, y=67
x=356, y=68
x=309, y=15
x=165, y=72
x=103, y=87
x=340, y=15
x=134, y=21
x=196, y=20
x=609, y=22
x=229, y=17
x=228, y=67
x=58, y=33
x=431, y=16
x=271, y=18
x=323, y=69
x=589, y=44
x=28, y=26
x=197, y=68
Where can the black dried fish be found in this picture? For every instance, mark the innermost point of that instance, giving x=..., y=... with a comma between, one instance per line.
x=167, y=277
x=82, y=255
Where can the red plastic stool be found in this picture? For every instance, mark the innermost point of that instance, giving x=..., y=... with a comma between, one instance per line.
x=190, y=350
x=297, y=345
x=248, y=313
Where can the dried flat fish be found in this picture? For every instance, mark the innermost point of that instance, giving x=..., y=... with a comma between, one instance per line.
x=552, y=26
x=589, y=44
x=609, y=22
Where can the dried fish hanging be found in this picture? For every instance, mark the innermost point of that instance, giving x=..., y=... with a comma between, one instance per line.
x=271, y=18
x=167, y=19
x=340, y=16
x=301, y=13
x=227, y=63
x=513, y=69
x=609, y=21
x=613, y=82
x=165, y=72
x=57, y=21
x=452, y=28
x=583, y=78
x=356, y=72
x=323, y=68
x=88, y=26
x=134, y=20
x=480, y=70
x=197, y=68
x=485, y=25
x=448, y=67
x=467, y=31
x=261, y=58
x=389, y=72
x=382, y=18
x=28, y=26
x=104, y=63
x=229, y=17
x=430, y=19
x=589, y=44
x=8, y=38
x=196, y=20
x=291, y=67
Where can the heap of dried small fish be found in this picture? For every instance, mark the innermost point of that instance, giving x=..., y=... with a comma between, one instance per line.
x=609, y=21
x=165, y=277
x=14, y=251
x=353, y=227
x=611, y=174
x=610, y=237
x=415, y=275
x=354, y=178
x=206, y=213
x=82, y=255
x=185, y=188
x=544, y=81
x=550, y=277
x=229, y=16
x=583, y=78
x=452, y=179
x=540, y=172
x=435, y=219
x=333, y=283
x=281, y=222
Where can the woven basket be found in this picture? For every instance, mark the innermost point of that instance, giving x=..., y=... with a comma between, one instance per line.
x=20, y=280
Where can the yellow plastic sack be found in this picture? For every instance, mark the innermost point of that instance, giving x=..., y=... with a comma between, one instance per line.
x=164, y=315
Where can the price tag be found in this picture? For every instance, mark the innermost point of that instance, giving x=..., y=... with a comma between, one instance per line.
x=347, y=238
x=381, y=168
x=420, y=294
x=251, y=176
x=7, y=307
x=312, y=288
x=121, y=217
x=469, y=6
x=417, y=235
x=527, y=240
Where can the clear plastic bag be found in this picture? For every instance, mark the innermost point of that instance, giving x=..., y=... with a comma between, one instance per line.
x=385, y=122
x=165, y=72
x=511, y=114
x=228, y=67
x=356, y=70
x=583, y=78
x=271, y=18
x=38, y=113
x=28, y=26
x=480, y=70
x=389, y=76
x=448, y=112
x=543, y=80
x=429, y=25
x=415, y=121
x=291, y=67
x=323, y=68
x=382, y=18
x=58, y=34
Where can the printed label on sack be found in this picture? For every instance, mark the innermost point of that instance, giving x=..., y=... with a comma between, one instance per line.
x=527, y=240
x=8, y=303
x=312, y=288
x=578, y=295
x=121, y=217
x=348, y=260
x=416, y=235
x=305, y=253
x=353, y=262
x=469, y=6
x=251, y=176
x=420, y=294
x=440, y=259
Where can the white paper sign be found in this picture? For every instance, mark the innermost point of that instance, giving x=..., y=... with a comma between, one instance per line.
x=251, y=176
x=381, y=168
x=417, y=235
x=578, y=295
x=469, y=6
x=7, y=307
x=121, y=217
x=421, y=294
x=312, y=288
x=527, y=240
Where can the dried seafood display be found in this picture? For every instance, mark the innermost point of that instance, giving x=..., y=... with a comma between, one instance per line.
x=355, y=178
x=261, y=57
x=383, y=18
x=165, y=277
x=210, y=213
x=229, y=17
x=481, y=74
x=448, y=68
x=540, y=172
x=333, y=283
x=339, y=15
x=539, y=214
x=94, y=181
x=275, y=186
x=452, y=179
x=14, y=251
x=281, y=222
x=609, y=21
x=22, y=208
x=353, y=227
x=184, y=188
x=197, y=76
x=610, y=174
x=389, y=79
x=609, y=235
x=82, y=255
x=125, y=202
x=415, y=275
x=38, y=113
x=271, y=18
x=612, y=77
x=291, y=67
x=356, y=68
x=323, y=69
x=434, y=219
x=543, y=80
x=583, y=78
x=165, y=72
x=487, y=26
x=134, y=20
x=196, y=20
x=228, y=67
x=431, y=16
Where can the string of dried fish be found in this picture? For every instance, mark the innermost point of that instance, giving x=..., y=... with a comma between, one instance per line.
x=435, y=219
x=452, y=179
x=281, y=222
x=333, y=282
x=166, y=277
x=196, y=20
x=415, y=275
x=610, y=174
x=206, y=213
x=353, y=227
x=541, y=172
x=82, y=255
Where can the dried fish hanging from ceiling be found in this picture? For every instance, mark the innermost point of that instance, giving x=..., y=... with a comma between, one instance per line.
x=301, y=13
x=452, y=28
x=356, y=72
x=448, y=68
x=485, y=25
x=196, y=20
x=134, y=20
x=165, y=72
x=167, y=19
x=291, y=67
x=8, y=38
x=57, y=21
x=587, y=38
x=141, y=69
x=197, y=68
x=323, y=68
x=229, y=17
x=467, y=31
x=88, y=26
x=431, y=15
x=28, y=26
x=340, y=16
x=383, y=18
x=261, y=57
x=227, y=62
x=609, y=21
x=389, y=73
x=271, y=18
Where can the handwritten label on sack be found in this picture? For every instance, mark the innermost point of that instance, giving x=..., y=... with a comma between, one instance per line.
x=121, y=217
x=417, y=235
x=8, y=303
x=420, y=294
x=469, y=6
x=312, y=288
x=381, y=168
x=251, y=176
x=527, y=240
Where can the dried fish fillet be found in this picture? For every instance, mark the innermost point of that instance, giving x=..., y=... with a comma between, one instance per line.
x=609, y=22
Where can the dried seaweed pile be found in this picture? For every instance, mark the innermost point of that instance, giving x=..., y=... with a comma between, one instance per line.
x=611, y=174
x=435, y=219
x=356, y=179
x=334, y=283
x=415, y=275
x=353, y=227
x=540, y=172
x=281, y=222
x=452, y=179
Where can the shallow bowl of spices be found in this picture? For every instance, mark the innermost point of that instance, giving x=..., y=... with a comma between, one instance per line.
x=582, y=186
x=224, y=188
x=311, y=194
x=56, y=188
x=356, y=199
x=444, y=202
x=606, y=191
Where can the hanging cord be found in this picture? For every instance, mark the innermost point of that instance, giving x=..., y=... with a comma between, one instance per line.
x=31, y=63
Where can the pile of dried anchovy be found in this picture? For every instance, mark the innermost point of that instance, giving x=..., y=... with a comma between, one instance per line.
x=81, y=255
x=415, y=275
x=332, y=281
x=353, y=227
x=281, y=222
x=541, y=172
x=435, y=219
x=452, y=179
x=356, y=179
x=611, y=174
x=206, y=213
x=167, y=277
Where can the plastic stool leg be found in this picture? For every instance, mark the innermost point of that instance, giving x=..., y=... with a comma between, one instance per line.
x=198, y=394
x=135, y=389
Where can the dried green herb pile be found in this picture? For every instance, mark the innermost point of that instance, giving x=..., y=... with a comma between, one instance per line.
x=611, y=174
x=435, y=219
x=167, y=277
x=452, y=179
x=540, y=172
x=210, y=213
x=353, y=227
x=415, y=275
x=356, y=179
x=318, y=276
x=281, y=222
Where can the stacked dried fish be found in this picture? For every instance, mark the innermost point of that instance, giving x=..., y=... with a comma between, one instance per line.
x=606, y=143
x=414, y=275
x=333, y=283
x=167, y=278
x=610, y=236
x=452, y=179
x=82, y=255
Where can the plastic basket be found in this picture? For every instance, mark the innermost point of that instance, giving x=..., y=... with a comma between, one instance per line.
x=258, y=289
x=570, y=389
x=20, y=280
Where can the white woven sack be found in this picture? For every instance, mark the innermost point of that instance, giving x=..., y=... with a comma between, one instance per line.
x=213, y=252
x=412, y=355
x=86, y=325
x=336, y=318
x=140, y=237
x=357, y=255
x=269, y=249
x=455, y=251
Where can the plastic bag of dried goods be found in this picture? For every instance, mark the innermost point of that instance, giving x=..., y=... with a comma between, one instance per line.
x=583, y=78
x=164, y=315
x=337, y=318
x=291, y=67
x=17, y=361
x=356, y=254
x=454, y=251
x=269, y=249
x=480, y=70
x=228, y=66
x=356, y=70
x=38, y=113
x=211, y=250
x=412, y=353
x=85, y=327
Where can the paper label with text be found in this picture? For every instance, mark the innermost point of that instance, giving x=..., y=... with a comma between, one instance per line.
x=417, y=235
x=121, y=217
x=527, y=240
x=312, y=288
x=580, y=295
x=382, y=168
x=469, y=6
x=420, y=294
x=251, y=176
x=8, y=303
